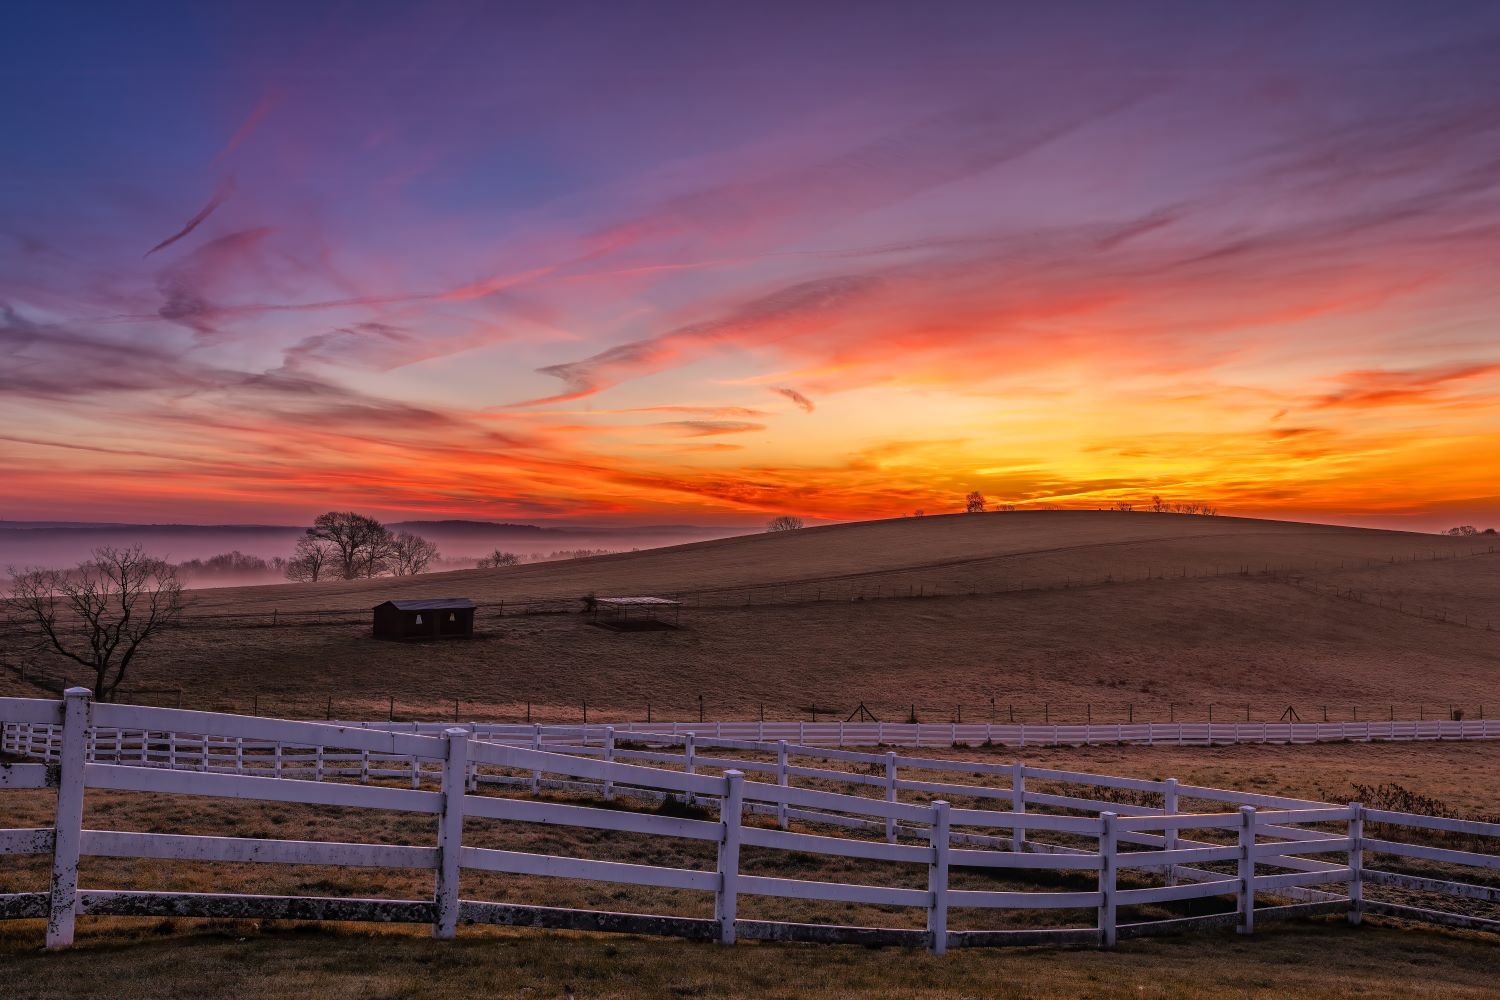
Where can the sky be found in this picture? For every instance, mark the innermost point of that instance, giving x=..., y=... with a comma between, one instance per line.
x=706, y=263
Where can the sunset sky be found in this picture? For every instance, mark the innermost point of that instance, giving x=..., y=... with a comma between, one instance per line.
x=701, y=262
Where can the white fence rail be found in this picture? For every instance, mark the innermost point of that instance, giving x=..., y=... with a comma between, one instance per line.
x=1251, y=844
x=946, y=734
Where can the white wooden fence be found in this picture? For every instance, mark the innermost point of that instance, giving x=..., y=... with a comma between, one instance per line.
x=944, y=734
x=1252, y=845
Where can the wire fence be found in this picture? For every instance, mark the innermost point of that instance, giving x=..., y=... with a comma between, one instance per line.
x=823, y=707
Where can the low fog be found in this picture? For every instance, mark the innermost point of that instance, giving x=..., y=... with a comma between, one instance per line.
x=238, y=555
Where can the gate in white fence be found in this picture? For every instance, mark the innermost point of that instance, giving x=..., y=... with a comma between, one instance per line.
x=1267, y=855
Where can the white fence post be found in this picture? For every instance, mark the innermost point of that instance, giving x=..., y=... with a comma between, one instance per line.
x=68, y=824
x=937, y=881
x=731, y=813
x=1018, y=804
x=1169, y=835
x=1247, y=870
x=536, y=744
x=450, y=834
x=609, y=758
x=689, y=764
x=1108, y=847
x=1356, y=862
x=781, y=779
x=890, y=795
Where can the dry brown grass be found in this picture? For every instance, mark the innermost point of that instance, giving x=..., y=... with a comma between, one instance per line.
x=1295, y=962
x=1168, y=645
x=1177, y=638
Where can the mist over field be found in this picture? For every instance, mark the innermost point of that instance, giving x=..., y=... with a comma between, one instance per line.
x=460, y=544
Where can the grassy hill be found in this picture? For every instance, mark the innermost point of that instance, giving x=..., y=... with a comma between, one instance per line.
x=953, y=553
x=1055, y=614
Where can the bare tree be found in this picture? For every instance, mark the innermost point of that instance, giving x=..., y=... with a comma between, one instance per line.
x=311, y=560
x=101, y=614
x=410, y=554
x=497, y=559
x=361, y=544
x=786, y=522
x=974, y=503
x=1123, y=505
x=1463, y=529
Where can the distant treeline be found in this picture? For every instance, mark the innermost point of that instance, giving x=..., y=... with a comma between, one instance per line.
x=344, y=545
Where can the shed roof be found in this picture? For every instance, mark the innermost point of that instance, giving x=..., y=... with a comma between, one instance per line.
x=635, y=601
x=431, y=604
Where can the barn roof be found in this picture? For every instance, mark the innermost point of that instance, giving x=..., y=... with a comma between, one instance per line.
x=431, y=604
x=636, y=601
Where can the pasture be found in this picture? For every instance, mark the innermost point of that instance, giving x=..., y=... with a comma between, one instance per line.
x=1056, y=615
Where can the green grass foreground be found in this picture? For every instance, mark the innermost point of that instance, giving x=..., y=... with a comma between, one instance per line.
x=187, y=959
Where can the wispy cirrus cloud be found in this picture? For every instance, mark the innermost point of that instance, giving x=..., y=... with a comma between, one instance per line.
x=223, y=194
x=710, y=428
x=803, y=403
x=1380, y=388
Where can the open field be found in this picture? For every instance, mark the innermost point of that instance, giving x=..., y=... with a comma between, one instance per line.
x=1033, y=610
x=1252, y=616
x=1296, y=961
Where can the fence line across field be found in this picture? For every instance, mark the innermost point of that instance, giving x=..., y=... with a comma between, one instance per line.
x=915, y=735
x=1277, y=846
x=842, y=734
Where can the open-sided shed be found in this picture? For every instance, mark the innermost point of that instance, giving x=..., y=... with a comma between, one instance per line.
x=633, y=613
x=432, y=618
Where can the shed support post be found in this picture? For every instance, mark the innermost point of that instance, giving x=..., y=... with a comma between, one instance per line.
x=1356, y=862
x=890, y=795
x=450, y=834
x=609, y=758
x=1018, y=804
x=781, y=779
x=731, y=813
x=937, y=881
x=1108, y=847
x=1247, y=870
x=77, y=716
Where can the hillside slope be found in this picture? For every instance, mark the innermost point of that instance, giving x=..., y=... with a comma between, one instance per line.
x=954, y=553
x=1053, y=615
